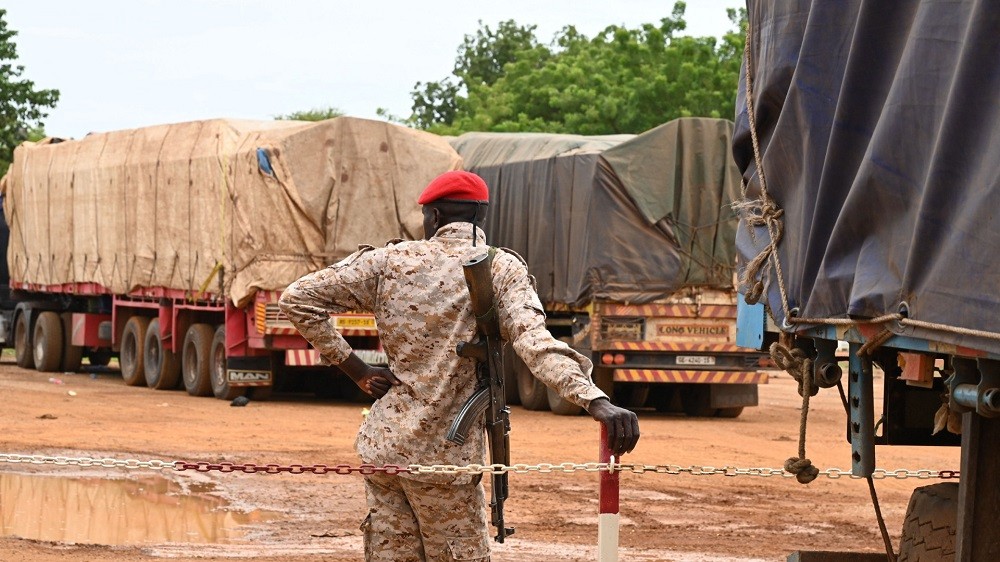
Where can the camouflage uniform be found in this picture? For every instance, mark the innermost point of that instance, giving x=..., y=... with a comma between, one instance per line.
x=417, y=292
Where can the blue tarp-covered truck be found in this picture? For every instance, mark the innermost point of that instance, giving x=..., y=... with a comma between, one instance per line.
x=868, y=136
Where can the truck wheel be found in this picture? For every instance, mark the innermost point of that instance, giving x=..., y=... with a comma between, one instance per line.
x=161, y=367
x=220, y=383
x=48, y=341
x=665, y=398
x=631, y=394
x=733, y=412
x=130, y=356
x=510, y=359
x=72, y=354
x=930, y=524
x=696, y=400
x=195, y=360
x=559, y=405
x=23, y=350
x=99, y=357
x=530, y=390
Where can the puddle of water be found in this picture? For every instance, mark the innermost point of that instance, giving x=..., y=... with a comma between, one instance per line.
x=146, y=510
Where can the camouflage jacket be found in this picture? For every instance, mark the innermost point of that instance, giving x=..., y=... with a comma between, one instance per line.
x=417, y=292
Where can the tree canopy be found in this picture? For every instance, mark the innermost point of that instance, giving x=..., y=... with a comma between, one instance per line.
x=315, y=114
x=22, y=107
x=620, y=81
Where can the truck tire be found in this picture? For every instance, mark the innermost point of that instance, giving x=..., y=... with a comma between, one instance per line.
x=510, y=360
x=130, y=357
x=99, y=357
x=48, y=342
x=24, y=352
x=217, y=368
x=531, y=391
x=604, y=378
x=559, y=405
x=72, y=356
x=733, y=412
x=631, y=394
x=665, y=398
x=930, y=524
x=195, y=359
x=162, y=369
x=696, y=400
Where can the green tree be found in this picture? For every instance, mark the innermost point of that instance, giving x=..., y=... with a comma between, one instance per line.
x=22, y=107
x=621, y=81
x=316, y=114
x=480, y=62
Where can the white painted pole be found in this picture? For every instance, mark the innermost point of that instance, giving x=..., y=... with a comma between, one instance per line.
x=607, y=518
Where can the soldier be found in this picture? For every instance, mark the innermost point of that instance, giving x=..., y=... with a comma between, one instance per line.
x=417, y=292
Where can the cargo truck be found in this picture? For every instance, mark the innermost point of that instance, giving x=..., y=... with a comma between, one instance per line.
x=168, y=246
x=630, y=239
x=867, y=134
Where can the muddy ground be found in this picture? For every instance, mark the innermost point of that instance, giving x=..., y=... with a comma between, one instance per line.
x=291, y=517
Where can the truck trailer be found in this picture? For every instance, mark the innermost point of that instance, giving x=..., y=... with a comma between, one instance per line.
x=867, y=135
x=169, y=246
x=630, y=241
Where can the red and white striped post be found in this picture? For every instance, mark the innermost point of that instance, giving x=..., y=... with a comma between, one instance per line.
x=607, y=517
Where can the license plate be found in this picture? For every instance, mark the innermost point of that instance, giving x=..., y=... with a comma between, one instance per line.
x=695, y=360
x=355, y=322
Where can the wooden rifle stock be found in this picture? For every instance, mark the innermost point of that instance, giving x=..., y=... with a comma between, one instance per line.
x=489, y=397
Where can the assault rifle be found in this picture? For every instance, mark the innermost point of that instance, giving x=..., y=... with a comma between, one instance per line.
x=489, y=397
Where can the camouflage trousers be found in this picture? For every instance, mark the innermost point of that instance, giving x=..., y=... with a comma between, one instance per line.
x=412, y=521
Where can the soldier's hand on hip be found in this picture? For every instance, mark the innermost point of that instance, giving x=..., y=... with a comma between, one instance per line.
x=622, y=424
x=377, y=381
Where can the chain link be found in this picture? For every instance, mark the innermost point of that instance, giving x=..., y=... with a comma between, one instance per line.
x=542, y=468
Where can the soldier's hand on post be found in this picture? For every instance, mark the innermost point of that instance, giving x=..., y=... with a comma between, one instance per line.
x=622, y=424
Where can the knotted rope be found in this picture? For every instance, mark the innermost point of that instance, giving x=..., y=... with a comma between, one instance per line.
x=800, y=367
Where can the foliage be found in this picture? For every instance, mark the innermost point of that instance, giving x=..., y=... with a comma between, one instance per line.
x=22, y=107
x=621, y=81
x=480, y=62
x=315, y=114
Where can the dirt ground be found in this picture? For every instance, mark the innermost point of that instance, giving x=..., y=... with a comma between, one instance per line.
x=663, y=517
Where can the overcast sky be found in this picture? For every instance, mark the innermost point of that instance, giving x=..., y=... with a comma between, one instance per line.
x=130, y=63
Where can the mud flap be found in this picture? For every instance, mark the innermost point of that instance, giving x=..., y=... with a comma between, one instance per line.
x=732, y=395
x=249, y=371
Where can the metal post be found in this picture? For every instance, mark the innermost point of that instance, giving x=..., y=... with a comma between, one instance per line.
x=607, y=518
x=978, y=536
x=861, y=396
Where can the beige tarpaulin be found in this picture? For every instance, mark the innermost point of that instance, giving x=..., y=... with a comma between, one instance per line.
x=236, y=206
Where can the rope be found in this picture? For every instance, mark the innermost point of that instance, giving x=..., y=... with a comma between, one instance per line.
x=875, y=342
x=881, y=521
x=800, y=367
x=953, y=329
x=764, y=212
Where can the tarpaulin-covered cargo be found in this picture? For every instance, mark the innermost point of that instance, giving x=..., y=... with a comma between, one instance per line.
x=628, y=218
x=879, y=126
x=162, y=206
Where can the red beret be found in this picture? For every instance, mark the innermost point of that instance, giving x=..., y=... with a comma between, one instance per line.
x=456, y=184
